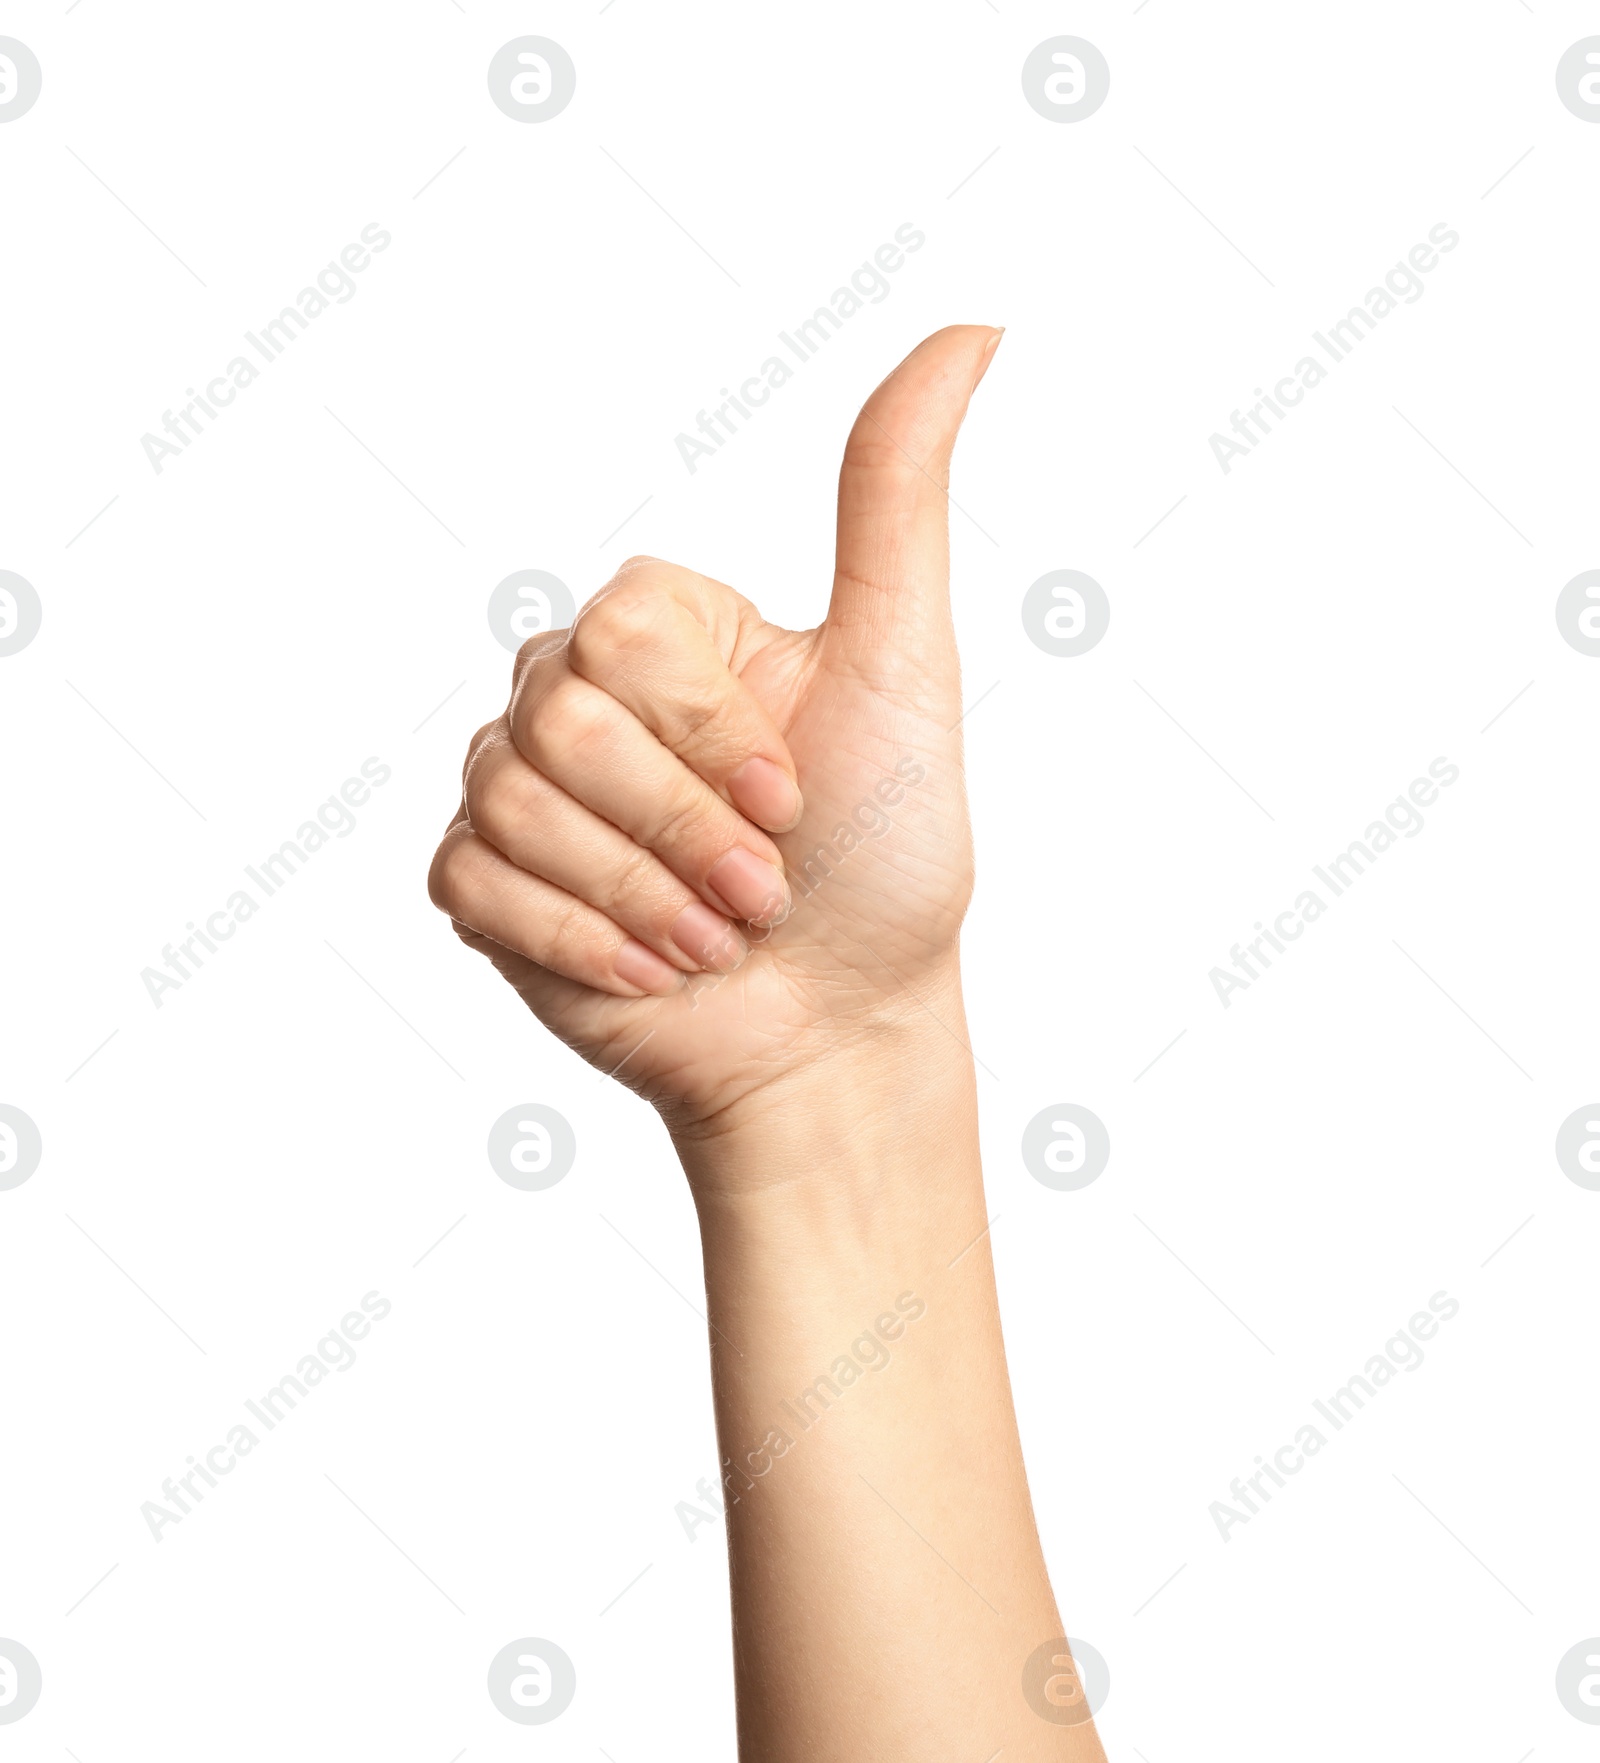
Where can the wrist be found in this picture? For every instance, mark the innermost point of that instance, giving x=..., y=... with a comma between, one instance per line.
x=846, y=1164
x=842, y=1105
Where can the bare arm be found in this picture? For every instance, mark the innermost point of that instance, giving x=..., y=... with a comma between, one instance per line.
x=781, y=977
x=888, y=1586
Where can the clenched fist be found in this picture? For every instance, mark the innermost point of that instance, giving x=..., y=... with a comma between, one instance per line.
x=710, y=853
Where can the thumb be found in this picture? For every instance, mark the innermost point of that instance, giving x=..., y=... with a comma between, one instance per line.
x=890, y=612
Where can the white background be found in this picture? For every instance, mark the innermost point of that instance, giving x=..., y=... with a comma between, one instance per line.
x=1323, y=621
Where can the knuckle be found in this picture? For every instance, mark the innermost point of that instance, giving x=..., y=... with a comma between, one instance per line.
x=501, y=796
x=466, y=934
x=705, y=724
x=570, y=716
x=634, y=896
x=674, y=825
x=535, y=649
x=533, y=654
x=616, y=624
x=454, y=874
x=567, y=940
x=482, y=741
x=886, y=463
x=536, y=675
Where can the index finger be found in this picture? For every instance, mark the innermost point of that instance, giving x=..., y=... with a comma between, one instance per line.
x=659, y=640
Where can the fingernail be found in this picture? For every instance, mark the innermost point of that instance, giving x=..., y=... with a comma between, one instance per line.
x=765, y=793
x=752, y=889
x=638, y=966
x=707, y=937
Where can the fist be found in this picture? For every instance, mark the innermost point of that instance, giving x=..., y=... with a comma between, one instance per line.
x=711, y=853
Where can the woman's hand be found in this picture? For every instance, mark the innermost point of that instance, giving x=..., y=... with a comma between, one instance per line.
x=710, y=853
x=779, y=975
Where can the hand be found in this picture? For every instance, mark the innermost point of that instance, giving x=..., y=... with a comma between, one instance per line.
x=712, y=854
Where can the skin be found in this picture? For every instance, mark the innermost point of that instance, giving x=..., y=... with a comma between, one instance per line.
x=797, y=1021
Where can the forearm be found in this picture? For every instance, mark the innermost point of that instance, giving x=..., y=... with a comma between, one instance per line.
x=887, y=1579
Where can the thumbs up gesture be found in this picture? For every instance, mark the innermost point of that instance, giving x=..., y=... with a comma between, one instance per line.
x=714, y=855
